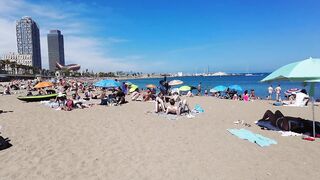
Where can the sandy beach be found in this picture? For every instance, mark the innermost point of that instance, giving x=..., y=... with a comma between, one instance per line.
x=129, y=142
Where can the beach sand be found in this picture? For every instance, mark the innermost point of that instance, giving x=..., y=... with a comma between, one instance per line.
x=127, y=142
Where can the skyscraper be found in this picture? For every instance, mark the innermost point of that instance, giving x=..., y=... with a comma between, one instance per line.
x=55, y=49
x=28, y=40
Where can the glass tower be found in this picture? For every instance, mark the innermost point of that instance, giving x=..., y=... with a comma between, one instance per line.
x=55, y=49
x=28, y=39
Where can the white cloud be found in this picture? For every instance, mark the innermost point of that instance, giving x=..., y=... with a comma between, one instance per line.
x=80, y=47
x=7, y=36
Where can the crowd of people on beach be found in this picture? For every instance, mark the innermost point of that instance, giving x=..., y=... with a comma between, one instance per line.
x=73, y=93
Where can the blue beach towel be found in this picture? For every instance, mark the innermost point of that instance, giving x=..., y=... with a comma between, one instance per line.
x=254, y=138
x=198, y=108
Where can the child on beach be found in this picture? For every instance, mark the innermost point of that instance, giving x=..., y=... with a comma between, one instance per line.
x=245, y=96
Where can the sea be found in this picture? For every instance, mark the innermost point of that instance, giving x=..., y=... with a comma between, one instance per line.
x=247, y=82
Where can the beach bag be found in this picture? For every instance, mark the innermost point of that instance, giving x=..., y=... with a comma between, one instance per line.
x=4, y=143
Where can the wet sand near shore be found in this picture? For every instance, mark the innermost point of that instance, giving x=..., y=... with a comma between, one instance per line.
x=127, y=142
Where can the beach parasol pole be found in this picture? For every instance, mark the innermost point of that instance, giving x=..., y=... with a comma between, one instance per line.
x=313, y=118
x=312, y=89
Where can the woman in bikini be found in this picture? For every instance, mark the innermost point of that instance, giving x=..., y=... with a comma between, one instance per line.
x=288, y=123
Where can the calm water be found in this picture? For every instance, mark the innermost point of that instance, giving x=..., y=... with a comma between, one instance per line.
x=246, y=82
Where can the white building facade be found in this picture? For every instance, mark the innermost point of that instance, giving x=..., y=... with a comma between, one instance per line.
x=23, y=59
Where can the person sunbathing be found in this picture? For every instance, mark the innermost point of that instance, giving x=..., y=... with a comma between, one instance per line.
x=7, y=90
x=172, y=109
x=288, y=123
x=184, y=106
x=120, y=97
x=77, y=103
x=147, y=95
x=181, y=107
x=159, y=102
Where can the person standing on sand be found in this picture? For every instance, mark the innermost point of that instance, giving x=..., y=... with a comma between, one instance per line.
x=270, y=91
x=199, y=89
x=278, y=93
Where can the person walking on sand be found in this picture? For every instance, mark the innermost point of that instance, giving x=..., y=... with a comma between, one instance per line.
x=278, y=93
x=270, y=91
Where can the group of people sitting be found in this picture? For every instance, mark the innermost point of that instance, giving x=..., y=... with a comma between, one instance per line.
x=68, y=104
x=117, y=97
x=234, y=95
x=298, y=99
x=7, y=90
x=171, y=104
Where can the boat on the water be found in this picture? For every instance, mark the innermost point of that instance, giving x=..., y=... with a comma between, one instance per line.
x=37, y=97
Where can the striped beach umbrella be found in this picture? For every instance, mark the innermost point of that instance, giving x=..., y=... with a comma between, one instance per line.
x=151, y=86
x=292, y=90
x=175, y=82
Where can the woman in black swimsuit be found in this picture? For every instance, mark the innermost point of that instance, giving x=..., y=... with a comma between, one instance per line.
x=288, y=123
x=285, y=123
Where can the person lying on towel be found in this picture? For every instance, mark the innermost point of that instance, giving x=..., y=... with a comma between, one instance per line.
x=288, y=123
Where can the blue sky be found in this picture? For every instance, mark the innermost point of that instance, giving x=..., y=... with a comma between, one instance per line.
x=172, y=36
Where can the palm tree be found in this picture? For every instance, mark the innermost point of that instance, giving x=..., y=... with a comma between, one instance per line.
x=13, y=66
x=2, y=66
x=6, y=65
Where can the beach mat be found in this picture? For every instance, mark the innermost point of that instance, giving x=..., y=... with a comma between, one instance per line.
x=252, y=137
x=267, y=125
x=172, y=116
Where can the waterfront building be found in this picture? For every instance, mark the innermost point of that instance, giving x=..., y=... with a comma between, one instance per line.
x=28, y=40
x=22, y=59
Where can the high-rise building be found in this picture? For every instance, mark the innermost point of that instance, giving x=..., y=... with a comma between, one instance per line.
x=28, y=39
x=55, y=49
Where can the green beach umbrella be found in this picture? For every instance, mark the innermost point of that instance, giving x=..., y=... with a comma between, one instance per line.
x=185, y=88
x=298, y=71
x=133, y=87
x=302, y=71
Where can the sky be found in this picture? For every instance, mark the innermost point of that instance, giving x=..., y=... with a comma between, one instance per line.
x=172, y=35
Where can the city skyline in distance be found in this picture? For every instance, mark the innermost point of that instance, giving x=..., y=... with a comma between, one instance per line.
x=153, y=36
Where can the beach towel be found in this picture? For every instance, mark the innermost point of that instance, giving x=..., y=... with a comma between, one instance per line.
x=267, y=124
x=254, y=138
x=172, y=116
x=198, y=109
